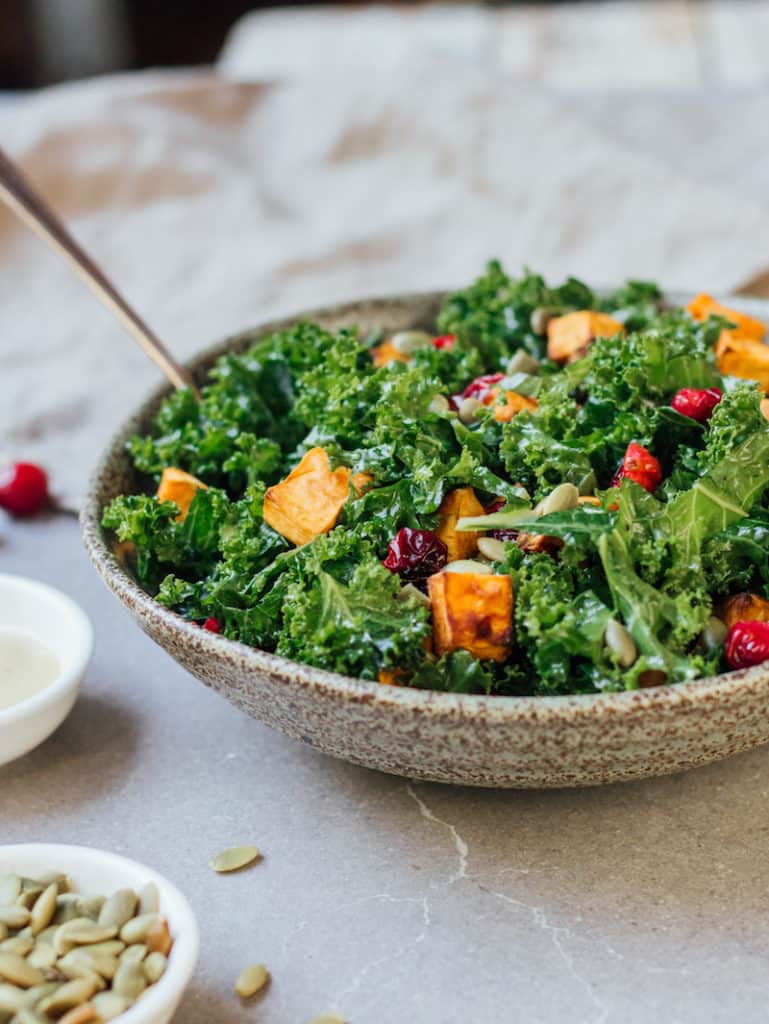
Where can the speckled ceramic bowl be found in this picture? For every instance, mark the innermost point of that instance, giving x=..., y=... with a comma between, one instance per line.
x=474, y=740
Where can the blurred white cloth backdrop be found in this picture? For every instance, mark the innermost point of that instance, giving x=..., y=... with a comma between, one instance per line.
x=216, y=204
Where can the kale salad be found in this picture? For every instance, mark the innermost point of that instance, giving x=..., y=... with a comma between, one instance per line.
x=545, y=492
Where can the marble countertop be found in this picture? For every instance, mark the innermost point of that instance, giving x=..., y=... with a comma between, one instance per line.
x=388, y=901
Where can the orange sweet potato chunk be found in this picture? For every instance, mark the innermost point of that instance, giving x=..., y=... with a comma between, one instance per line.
x=702, y=306
x=473, y=612
x=176, y=485
x=569, y=336
x=308, y=502
x=457, y=504
x=387, y=353
x=743, y=608
x=514, y=403
x=743, y=357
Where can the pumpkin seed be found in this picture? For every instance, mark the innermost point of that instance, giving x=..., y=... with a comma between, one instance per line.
x=73, y=967
x=70, y=994
x=16, y=970
x=112, y=947
x=621, y=643
x=522, y=362
x=80, y=1015
x=81, y=931
x=3, y=932
x=63, y=882
x=133, y=954
x=19, y=945
x=154, y=967
x=439, y=404
x=468, y=565
x=129, y=981
x=251, y=980
x=90, y=906
x=539, y=319
x=47, y=934
x=407, y=342
x=10, y=889
x=235, y=858
x=66, y=908
x=119, y=908
x=14, y=917
x=409, y=590
x=29, y=897
x=468, y=410
x=136, y=929
x=27, y=1016
x=491, y=548
x=42, y=956
x=149, y=899
x=560, y=499
x=714, y=633
x=588, y=484
x=109, y=1005
x=158, y=937
x=44, y=909
x=11, y=998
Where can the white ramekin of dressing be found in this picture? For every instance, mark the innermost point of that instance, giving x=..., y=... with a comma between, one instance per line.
x=46, y=642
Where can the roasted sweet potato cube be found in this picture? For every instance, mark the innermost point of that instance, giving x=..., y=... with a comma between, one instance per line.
x=176, y=485
x=473, y=612
x=457, y=504
x=387, y=353
x=308, y=502
x=393, y=677
x=743, y=357
x=569, y=336
x=702, y=306
x=514, y=403
x=743, y=608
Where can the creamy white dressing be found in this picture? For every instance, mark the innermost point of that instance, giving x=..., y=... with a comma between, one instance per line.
x=27, y=665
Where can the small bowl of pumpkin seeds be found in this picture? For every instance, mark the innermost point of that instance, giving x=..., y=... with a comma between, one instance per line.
x=88, y=937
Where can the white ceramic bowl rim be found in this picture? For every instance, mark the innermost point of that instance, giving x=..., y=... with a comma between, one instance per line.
x=174, y=906
x=567, y=707
x=73, y=665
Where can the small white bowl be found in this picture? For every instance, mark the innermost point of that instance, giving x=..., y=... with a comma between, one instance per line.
x=98, y=873
x=64, y=627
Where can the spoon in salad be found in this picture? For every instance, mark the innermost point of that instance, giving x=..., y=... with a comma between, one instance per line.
x=17, y=191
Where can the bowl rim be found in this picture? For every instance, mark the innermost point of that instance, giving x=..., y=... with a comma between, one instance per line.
x=492, y=708
x=71, y=675
x=186, y=947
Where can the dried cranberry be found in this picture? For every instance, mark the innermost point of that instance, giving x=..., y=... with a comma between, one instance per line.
x=23, y=488
x=747, y=643
x=495, y=506
x=455, y=401
x=212, y=625
x=641, y=466
x=444, y=340
x=697, y=403
x=504, y=535
x=415, y=554
x=481, y=386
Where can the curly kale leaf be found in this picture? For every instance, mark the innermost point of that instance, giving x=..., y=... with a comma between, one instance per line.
x=245, y=411
x=161, y=542
x=494, y=313
x=560, y=629
x=357, y=628
x=736, y=417
x=592, y=410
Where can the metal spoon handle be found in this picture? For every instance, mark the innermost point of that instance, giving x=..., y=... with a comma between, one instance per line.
x=30, y=206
